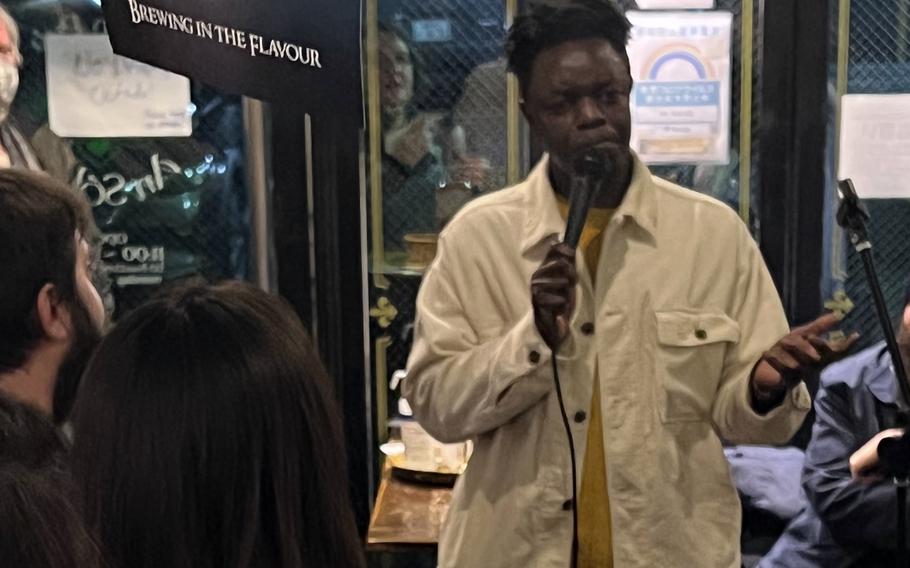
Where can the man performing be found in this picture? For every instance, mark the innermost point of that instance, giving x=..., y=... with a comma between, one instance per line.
x=669, y=331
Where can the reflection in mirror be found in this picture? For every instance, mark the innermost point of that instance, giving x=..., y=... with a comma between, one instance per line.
x=442, y=95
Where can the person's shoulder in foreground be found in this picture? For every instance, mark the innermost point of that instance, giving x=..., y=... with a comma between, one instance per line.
x=27, y=437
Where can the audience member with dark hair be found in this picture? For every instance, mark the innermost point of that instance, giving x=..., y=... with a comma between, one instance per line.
x=851, y=517
x=206, y=435
x=51, y=315
x=40, y=526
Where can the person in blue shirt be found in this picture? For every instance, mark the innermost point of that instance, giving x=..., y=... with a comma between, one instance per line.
x=851, y=517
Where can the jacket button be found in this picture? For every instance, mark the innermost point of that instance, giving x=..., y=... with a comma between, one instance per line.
x=587, y=328
x=567, y=505
x=580, y=416
x=534, y=357
x=701, y=334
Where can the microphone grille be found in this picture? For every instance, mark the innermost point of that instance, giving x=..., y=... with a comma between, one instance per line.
x=591, y=164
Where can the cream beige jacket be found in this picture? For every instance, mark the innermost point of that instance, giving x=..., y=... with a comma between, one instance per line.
x=682, y=311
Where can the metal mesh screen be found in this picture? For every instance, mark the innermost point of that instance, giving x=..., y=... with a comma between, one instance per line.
x=168, y=208
x=879, y=62
x=451, y=111
x=456, y=51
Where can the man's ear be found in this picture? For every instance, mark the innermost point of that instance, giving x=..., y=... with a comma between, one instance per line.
x=905, y=321
x=53, y=314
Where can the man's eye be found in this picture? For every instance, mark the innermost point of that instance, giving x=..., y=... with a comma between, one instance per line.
x=610, y=96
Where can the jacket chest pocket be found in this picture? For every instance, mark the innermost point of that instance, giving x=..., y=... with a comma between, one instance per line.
x=690, y=358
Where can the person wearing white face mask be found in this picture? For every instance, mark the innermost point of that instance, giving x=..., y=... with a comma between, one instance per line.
x=15, y=150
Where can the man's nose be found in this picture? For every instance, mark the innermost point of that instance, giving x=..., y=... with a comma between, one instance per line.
x=590, y=115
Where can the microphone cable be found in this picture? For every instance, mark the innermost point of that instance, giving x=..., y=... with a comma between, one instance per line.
x=571, y=438
x=591, y=169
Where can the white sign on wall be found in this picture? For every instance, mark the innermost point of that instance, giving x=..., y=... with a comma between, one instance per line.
x=875, y=144
x=674, y=4
x=681, y=100
x=92, y=93
x=429, y=31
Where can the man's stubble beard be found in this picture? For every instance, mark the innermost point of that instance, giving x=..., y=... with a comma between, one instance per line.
x=86, y=338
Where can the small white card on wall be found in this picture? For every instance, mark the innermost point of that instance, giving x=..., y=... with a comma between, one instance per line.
x=92, y=93
x=674, y=4
x=875, y=145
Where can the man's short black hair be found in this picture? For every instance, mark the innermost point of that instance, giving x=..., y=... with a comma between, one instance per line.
x=548, y=23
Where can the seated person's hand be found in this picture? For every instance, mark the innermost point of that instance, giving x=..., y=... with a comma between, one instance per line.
x=470, y=170
x=410, y=144
x=864, y=460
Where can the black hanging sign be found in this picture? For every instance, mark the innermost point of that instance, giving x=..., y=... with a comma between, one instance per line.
x=302, y=51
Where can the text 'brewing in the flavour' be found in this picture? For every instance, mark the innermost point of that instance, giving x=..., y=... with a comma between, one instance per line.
x=257, y=45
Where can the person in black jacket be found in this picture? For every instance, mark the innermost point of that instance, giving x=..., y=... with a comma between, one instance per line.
x=40, y=525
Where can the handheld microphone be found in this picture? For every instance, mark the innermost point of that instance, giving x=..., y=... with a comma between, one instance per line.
x=590, y=170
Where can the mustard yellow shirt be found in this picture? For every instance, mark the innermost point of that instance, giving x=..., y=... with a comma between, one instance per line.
x=595, y=543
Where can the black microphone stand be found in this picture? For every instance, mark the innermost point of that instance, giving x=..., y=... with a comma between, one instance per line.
x=894, y=453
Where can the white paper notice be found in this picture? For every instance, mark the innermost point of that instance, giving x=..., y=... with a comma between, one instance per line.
x=92, y=93
x=681, y=99
x=875, y=144
x=674, y=4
